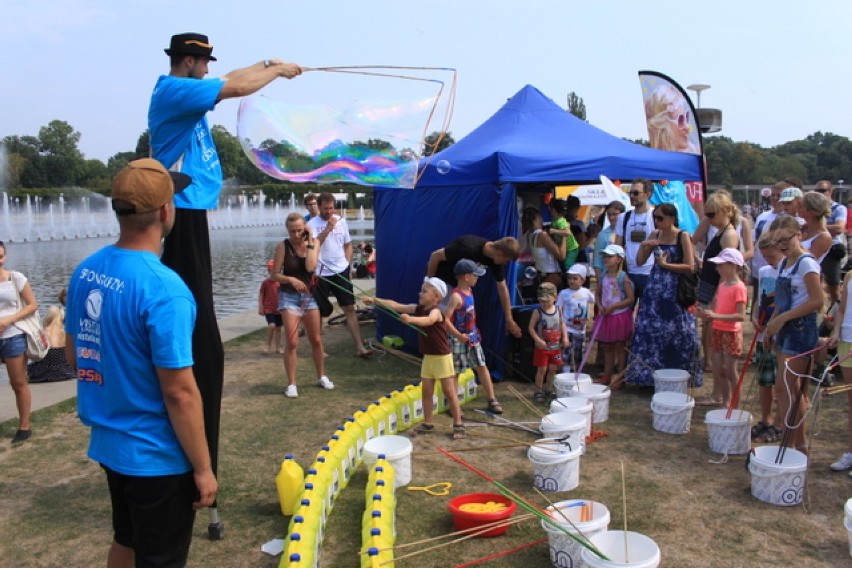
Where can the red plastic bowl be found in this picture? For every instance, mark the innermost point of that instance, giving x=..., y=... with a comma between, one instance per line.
x=465, y=520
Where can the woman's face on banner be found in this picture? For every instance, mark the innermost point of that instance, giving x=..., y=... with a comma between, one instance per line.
x=679, y=119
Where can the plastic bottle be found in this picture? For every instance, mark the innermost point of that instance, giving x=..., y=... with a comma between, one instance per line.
x=403, y=409
x=289, y=482
x=379, y=416
x=330, y=460
x=311, y=511
x=349, y=439
x=381, y=473
x=383, y=520
x=386, y=503
x=320, y=483
x=439, y=400
x=300, y=550
x=415, y=397
x=329, y=471
x=465, y=379
x=341, y=454
x=309, y=527
x=389, y=407
x=365, y=421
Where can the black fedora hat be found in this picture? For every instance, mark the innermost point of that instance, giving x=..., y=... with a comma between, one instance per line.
x=190, y=44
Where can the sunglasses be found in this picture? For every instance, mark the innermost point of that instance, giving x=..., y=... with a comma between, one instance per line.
x=709, y=214
x=659, y=217
x=636, y=192
x=682, y=119
x=785, y=240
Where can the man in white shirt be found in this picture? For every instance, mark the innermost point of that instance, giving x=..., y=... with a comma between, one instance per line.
x=335, y=259
x=633, y=227
x=836, y=225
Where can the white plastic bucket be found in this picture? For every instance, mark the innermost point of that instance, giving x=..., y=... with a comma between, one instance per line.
x=567, y=424
x=847, y=522
x=579, y=404
x=564, y=381
x=598, y=395
x=780, y=483
x=556, y=465
x=729, y=435
x=564, y=550
x=672, y=412
x=671, y=380
x=642, y=551
x=397, y=450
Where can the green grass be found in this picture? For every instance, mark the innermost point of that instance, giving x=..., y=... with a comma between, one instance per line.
x=54, y=509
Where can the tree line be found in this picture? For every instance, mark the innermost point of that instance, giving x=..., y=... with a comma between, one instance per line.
x=52, y=159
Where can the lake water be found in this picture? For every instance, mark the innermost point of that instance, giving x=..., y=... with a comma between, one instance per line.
x=239, y=262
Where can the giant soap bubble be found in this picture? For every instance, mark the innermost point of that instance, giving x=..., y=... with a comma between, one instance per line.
x=371, y=141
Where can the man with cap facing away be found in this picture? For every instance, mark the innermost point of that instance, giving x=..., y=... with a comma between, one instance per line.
x=128, y=334
x=180, y=138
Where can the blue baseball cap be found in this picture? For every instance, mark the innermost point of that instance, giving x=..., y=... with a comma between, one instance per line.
x=467, y=266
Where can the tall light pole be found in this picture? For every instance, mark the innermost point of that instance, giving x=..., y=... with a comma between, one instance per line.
x=698, y=88
x=709, y=120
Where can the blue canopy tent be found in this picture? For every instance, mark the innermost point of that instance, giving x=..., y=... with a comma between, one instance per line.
x=470, y=188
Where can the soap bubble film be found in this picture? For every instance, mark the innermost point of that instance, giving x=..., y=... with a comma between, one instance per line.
x=375, y=142
x=366, y=126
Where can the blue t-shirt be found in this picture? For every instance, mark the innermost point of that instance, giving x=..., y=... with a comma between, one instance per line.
x=178, y=130
x=127, y=314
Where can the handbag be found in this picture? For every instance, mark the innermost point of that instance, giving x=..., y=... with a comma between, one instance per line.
x=37, y=342
x=687, y=283
x=837, y=251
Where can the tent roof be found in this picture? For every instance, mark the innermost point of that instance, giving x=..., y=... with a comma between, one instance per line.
x=532, y=139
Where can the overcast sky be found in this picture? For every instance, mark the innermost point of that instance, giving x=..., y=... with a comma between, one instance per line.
x=779, y=69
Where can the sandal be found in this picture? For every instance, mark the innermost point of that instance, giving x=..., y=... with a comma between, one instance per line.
x=758, y=430
x=423, y=428
x=539, y=396
x=458, y=431
x=495, y=407
x=770, y=435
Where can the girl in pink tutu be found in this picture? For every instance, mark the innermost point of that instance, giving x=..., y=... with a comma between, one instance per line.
x=614, y=301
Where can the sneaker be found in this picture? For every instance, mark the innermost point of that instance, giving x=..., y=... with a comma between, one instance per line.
x=21, y=436
x=844, y=463
x=326, y=383
x=291, y=392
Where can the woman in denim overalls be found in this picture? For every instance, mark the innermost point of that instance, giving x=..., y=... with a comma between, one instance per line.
x=793, y=327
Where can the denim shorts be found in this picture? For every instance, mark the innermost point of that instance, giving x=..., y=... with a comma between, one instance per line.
x=12, y=347
x=297, y=302
x=797, y=336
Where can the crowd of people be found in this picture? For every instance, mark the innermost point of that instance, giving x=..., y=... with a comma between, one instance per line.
x=791, y=255
x=142, y=336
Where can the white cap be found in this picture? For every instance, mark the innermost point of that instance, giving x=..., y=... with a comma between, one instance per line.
x=438, y=284
x=614, y=250
x=578, y=270
x=729, y=255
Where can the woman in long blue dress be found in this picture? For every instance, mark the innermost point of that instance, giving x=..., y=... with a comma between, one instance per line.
x=664, y=336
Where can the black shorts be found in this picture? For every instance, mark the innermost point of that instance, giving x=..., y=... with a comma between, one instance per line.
x=153, y=516
x=340, y=286
x=275, y=319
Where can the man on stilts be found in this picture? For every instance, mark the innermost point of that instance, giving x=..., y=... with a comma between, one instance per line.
x=181, y=140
